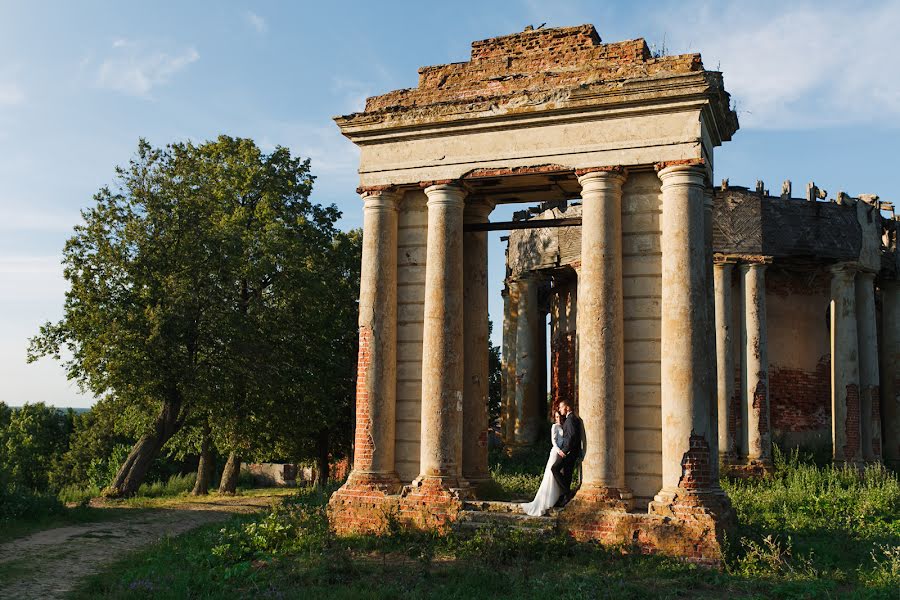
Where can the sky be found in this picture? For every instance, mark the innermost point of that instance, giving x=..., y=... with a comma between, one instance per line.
x=815, y=85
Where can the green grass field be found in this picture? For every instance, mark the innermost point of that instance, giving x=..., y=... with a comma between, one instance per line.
x=806, y=532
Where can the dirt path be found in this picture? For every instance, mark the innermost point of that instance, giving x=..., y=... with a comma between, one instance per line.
x=50, y=563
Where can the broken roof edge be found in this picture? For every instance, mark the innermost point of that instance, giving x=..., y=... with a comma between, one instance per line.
x=655, y=93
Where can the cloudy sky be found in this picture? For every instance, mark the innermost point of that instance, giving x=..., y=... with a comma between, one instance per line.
x=816, y=87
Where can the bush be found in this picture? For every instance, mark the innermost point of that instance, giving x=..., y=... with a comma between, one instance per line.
x=17, y=504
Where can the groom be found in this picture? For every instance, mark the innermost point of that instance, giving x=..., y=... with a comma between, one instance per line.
x=568, y=453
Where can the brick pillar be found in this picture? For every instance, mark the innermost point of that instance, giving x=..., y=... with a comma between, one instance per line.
x=475, y=341
x=870, y=421
x=688, y=477
x=890, y=371
x=757, y=438
x=722, y=272
x=845, y=408
x=376, y=386
x=601, y=353
x=442, y=346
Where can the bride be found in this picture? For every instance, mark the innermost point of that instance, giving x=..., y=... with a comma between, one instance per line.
x=549, y=492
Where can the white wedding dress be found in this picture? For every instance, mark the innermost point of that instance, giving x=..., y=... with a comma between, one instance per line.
x=549, y=492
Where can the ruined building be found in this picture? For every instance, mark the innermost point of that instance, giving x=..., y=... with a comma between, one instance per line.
x=781, y=265
x=550, y=116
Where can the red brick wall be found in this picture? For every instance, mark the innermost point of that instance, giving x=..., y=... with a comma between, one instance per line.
x=363, y=443
x=801, y=400
x=695, y=465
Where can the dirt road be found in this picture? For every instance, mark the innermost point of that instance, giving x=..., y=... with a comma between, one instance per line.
x=50, y=563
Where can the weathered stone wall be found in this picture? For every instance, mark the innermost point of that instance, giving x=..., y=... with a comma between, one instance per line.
x=411, y=237
x=642, y=292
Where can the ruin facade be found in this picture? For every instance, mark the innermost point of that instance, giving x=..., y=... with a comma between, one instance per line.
x=801, y=286
x=544, y=116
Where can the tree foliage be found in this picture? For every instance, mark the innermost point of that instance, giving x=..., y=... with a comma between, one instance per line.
x=207, y=287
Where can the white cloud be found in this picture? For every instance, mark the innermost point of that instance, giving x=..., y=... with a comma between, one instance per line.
x=797, y=65
x=353, y=93
x=11, y=94
x=256, y=22
x=135, y=69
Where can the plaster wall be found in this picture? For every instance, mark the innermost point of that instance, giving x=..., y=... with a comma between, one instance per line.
x=642, y=293
x=411, y=238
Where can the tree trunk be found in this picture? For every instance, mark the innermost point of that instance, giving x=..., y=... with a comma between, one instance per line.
x=322, y=458
x=131, y=474
x=230, y=474
x=206, y=466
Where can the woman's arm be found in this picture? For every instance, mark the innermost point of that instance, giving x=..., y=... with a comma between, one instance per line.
x=556, y=435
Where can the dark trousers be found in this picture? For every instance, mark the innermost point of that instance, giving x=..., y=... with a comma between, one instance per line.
x=562, y=470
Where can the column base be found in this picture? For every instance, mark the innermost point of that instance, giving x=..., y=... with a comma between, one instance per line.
x=433, y=502
x=678, y=502
x=365, y=503
x=691, y=530
x=592, y=498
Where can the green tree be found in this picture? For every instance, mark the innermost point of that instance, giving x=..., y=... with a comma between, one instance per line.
x=494, y=365
x=173, y=279
x=33, y=439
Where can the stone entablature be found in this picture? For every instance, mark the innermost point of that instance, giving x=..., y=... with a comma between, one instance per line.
x=549, y=97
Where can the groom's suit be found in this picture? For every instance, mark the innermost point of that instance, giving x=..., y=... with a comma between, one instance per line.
x=564, y=467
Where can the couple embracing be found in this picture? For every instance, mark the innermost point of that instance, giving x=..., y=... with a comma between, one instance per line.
x=566, y=436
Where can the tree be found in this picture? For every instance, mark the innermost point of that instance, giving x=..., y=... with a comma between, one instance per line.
x=34, y=438
x=172, y=277
x=494, y=366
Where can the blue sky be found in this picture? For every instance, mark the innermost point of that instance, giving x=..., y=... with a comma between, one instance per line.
x=816, y=86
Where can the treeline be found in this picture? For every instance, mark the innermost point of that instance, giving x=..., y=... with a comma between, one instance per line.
x=212, y=309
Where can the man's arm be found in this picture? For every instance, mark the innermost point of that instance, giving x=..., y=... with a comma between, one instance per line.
x=568, y=431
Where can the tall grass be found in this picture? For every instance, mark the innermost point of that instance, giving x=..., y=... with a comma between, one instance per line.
x=801, y=497
x=175, y=485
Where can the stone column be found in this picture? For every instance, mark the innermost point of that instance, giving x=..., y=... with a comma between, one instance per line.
x=757, y=438
x=890, y=371
x=845, y=413
x=512, y=328
x=724, y=359
x=504, y=363
x=475, y=341
x=376, y=385
x=601, y=353
x=870, y=421
x=528, y=354
x=560, y=346
x=442, y=347
x=712, y=371
x=686, y=427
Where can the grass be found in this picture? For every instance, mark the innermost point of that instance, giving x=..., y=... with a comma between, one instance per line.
x=805, y=532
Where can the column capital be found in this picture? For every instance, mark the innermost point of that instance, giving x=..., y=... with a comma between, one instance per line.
x=753, y=265
x=600, y=178
x=844, y=271
x=721, y=260
x=477, y=210
x=448, y=193
x=867, y=275
x=692, y=174
x=386, y=198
